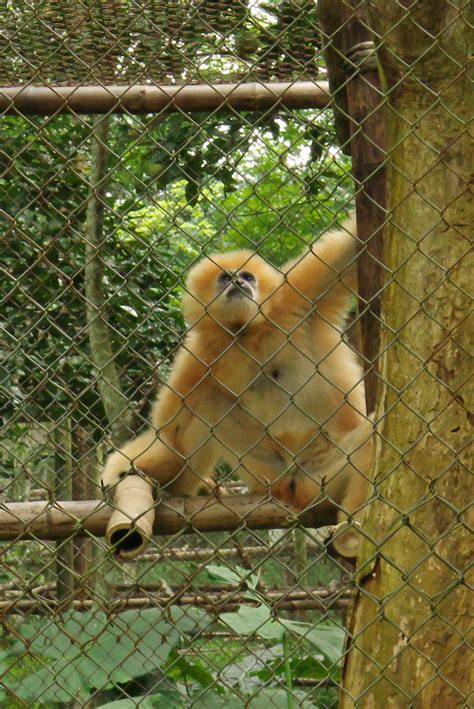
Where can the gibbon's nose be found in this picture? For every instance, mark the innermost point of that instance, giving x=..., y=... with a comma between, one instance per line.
x=238, y=288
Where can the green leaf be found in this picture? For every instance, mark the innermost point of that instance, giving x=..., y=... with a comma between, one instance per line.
x=301, y=667
x=56, y=683
x=328, y=638
x=90, y=650
x=182, y=669
x=189, y=620
x=254, y=621
x=168, y=699
x=237, y=577
x=266, y=698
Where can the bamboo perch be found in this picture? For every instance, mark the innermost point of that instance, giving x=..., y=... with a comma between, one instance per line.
x=54, y=520
x=140, y=98
x=224, y=601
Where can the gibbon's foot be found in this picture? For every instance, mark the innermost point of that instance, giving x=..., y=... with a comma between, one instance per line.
x=211, y=486
x=108, y=490
x=115, y=470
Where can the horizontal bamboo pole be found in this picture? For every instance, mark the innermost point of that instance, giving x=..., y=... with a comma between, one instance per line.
x=140, y=98
x=54, y=520
x=280, y=548
x=214, y=601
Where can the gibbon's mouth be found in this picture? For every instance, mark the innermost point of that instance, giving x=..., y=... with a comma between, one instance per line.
x=237, y=292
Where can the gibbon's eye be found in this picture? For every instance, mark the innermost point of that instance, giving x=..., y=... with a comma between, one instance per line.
x=224, y=278
x=247, y=276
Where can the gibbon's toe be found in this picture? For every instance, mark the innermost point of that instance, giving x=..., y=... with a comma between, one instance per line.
x=115, y=469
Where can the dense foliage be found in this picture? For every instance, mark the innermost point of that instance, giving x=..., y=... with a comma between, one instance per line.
x=184, y=186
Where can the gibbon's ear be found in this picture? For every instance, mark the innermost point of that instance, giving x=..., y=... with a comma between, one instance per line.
x=200, y=289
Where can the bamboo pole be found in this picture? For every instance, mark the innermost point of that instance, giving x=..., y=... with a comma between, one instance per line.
x=255, y=96
x=103, y=358
x=53, y=520
x=283, y=549
x=83, y=488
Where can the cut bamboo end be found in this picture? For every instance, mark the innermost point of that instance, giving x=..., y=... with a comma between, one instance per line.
x=130, y=527
x=346, y=539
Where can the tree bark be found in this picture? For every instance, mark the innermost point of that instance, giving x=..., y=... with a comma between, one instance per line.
x=410, y=620
x=115, y=402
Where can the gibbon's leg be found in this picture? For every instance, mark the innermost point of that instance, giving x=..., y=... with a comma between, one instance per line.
x=149, y=454
x=264, y=470
x=202, y=453
x=347, y=539
x=340, y=466
x=180, y=472
x=357, y=485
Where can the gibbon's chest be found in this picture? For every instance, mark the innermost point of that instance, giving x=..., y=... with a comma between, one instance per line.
x=276, y=380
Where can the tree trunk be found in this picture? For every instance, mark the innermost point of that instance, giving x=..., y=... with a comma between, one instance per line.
x=410, y=619
x=102, y=355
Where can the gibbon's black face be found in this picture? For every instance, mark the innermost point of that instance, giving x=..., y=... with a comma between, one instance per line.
x=237, y=285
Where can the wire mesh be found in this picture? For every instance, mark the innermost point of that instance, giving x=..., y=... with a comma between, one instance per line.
x=297, y=573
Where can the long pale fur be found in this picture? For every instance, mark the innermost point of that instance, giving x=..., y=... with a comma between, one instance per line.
x=265, y=383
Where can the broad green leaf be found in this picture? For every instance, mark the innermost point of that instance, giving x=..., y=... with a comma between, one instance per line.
x=90, y=650
x=55, y=683
x=266, y=698
x=328, y=638
x=65, y=636
x=301, y=667
x=223, y=573
x=181, y=669
x=189, y=620
x=254, y=621
x=168, y=700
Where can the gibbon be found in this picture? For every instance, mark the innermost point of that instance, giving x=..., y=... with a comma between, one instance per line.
x=264, y=381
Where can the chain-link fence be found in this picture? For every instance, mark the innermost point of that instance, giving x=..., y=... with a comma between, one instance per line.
x=191, y=317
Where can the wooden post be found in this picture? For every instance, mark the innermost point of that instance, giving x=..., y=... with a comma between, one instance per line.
x=83, y=488
x=63, y=491
x=358, y=96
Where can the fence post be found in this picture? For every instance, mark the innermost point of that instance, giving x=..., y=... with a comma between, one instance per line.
x=360, y=115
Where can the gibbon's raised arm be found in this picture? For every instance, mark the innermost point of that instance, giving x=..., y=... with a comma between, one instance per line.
x=327, y=271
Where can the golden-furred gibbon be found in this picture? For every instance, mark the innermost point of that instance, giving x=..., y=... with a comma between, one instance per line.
x=264, y=381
